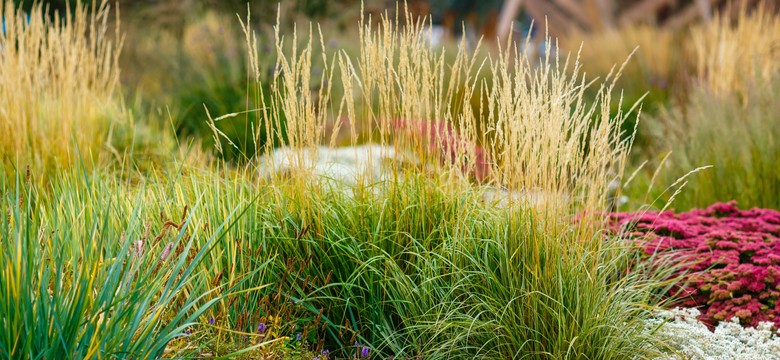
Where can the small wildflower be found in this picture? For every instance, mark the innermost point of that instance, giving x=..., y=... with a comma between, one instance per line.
x=298, y=337
x=325, y=352
x=365, y=351
x=211, y=321
x=187, y=332
x=261, y=328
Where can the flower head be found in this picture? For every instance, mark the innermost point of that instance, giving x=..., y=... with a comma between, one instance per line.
x=261, y=328
x=365, y=351
x=211, y=321
x=298, y=337
x=166, y=251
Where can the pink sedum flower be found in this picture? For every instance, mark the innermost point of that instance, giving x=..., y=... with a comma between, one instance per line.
x=730, y=258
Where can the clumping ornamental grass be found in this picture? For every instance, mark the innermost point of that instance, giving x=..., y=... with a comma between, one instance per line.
x=422, y=263
x=743, y=169
x=58, y=84
x=727, y=121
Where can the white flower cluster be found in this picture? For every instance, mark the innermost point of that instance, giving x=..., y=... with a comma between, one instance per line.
x=690, y=339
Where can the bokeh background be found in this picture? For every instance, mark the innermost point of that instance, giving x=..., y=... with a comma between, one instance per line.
x=181, y=57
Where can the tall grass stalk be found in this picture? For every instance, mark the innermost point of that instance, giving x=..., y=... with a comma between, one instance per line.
x=540, y=134
x=58, y=84
x=732, y=55
x=744, y=168
x=426, y=266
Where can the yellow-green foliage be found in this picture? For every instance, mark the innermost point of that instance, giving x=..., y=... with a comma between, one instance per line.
x=540, y=133
x=58, y=78
x=738, y=136
x=659, y=55
x=729, y=120
x=732, y=55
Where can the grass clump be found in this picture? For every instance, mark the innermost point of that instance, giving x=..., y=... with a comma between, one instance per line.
x=83, y=278
x=744, y=168
x=732, y=55
x=60, y=76
x=727, y=122
x=426, y=262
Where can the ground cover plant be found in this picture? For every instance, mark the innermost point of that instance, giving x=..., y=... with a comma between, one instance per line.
x=692, y=339
x=730, y=258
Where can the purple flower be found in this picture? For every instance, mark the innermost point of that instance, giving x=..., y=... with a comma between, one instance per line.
x=298, y=337
x=211, y=321
x=365, y=351
x=325, y=352
x=261, y=328
x=187, y=332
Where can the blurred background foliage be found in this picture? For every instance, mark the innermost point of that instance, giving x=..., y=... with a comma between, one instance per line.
x=185, y=56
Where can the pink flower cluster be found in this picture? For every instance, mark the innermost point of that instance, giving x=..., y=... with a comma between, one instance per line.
x=445, y=140
x=729, y=258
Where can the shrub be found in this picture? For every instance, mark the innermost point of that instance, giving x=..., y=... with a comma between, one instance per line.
x=730, y=258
